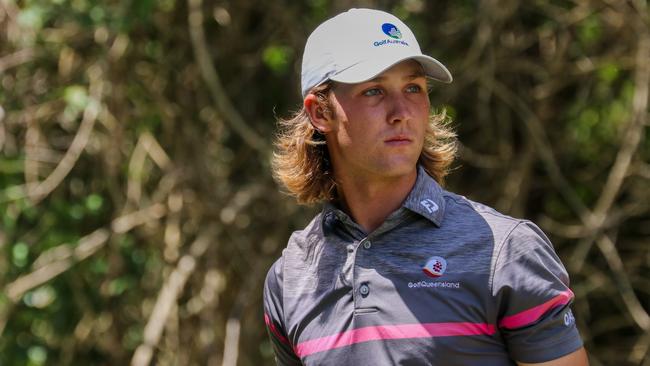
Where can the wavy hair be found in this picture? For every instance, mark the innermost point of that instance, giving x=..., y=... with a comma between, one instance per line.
x=301, y=160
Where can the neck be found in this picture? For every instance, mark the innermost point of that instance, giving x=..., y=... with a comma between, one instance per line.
x=369, y=202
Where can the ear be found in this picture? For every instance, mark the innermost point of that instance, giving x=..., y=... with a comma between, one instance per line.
x=320, y=118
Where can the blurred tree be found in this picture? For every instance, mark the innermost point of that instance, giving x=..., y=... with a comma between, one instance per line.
x=138, y=211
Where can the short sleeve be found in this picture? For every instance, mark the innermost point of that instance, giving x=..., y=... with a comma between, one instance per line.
x=274, y=317
x=531, y=289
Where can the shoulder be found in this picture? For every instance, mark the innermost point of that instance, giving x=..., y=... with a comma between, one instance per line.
x=511, y=237
x=469, y=215
x=461, y=203
x=526, y=240
x=273, y=281
x=299, y=250
x=305, y=237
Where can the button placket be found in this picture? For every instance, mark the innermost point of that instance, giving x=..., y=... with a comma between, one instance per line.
x=364, y=290
x=347, y=272
x=361, y=284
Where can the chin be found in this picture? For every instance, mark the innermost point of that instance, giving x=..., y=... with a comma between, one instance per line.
x=399, y=170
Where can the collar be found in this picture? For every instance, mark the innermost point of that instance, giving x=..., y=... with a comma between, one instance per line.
x=425, y=199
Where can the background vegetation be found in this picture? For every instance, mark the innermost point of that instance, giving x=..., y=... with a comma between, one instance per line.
x=138, y=212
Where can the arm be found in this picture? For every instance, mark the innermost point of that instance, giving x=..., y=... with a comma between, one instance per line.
x=577, y=358
x=531, y=288
x=274, y=318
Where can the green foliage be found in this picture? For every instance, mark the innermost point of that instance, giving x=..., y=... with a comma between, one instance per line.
x=277, y=58
x=597, y=123
x=32, y=17
x=590, y=30
x=19, y=254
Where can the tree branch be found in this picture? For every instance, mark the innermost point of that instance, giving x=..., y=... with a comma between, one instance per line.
x=17, y=58
x=219, y=96
x=167, y=298
x=78, y=144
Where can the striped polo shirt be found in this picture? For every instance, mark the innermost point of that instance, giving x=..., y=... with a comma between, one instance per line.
x=443, y=281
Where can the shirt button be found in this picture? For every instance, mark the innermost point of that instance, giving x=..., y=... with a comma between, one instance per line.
x=350, y=248
x=364, y=289
x=367, y=244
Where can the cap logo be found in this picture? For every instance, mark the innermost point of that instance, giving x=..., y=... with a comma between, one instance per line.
x=391, y=31
x=435, y=267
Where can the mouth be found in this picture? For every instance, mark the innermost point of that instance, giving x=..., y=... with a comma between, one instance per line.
x=398, y=140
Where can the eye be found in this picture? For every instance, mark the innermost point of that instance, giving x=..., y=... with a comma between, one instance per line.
x=414, y=88
x=372, y=92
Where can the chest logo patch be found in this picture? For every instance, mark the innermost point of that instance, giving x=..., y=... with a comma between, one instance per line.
x=429, y=205
x=435, y=267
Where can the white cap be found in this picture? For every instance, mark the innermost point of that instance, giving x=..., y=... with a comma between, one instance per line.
x=359, y=44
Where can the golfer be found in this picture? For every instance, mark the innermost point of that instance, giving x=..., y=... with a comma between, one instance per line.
x=395, y=270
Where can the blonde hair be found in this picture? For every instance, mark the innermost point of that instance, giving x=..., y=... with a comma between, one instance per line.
x=301, y=161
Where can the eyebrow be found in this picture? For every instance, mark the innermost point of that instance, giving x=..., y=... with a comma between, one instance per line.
x=414, y=75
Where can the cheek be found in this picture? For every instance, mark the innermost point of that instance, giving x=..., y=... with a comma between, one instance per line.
x=423, y=108
x=357, y=125
x=422, y=114
x=366, y=119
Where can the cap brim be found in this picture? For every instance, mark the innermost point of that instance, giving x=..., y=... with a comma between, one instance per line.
x=366, y=70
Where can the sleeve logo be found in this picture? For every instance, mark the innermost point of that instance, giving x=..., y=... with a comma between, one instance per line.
x=568, y=318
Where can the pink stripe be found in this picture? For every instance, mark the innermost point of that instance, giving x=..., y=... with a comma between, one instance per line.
x=274, y=330
x=402, y=331
x=533, y=314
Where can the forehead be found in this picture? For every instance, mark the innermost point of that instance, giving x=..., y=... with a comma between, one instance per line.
x=406, y=68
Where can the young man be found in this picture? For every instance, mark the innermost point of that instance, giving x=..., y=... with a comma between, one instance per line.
x=395, y=270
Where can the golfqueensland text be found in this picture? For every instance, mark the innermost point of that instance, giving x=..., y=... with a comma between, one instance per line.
x=427, y=284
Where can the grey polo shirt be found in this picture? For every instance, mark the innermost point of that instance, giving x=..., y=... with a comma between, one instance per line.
x=443, y=281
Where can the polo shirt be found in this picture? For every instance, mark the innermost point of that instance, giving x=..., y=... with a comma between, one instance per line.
x=443, y=281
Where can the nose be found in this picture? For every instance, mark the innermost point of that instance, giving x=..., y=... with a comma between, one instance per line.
x=399, y=109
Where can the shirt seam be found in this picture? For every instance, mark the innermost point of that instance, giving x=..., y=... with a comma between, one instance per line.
x=466, y=202
x=499, y=250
